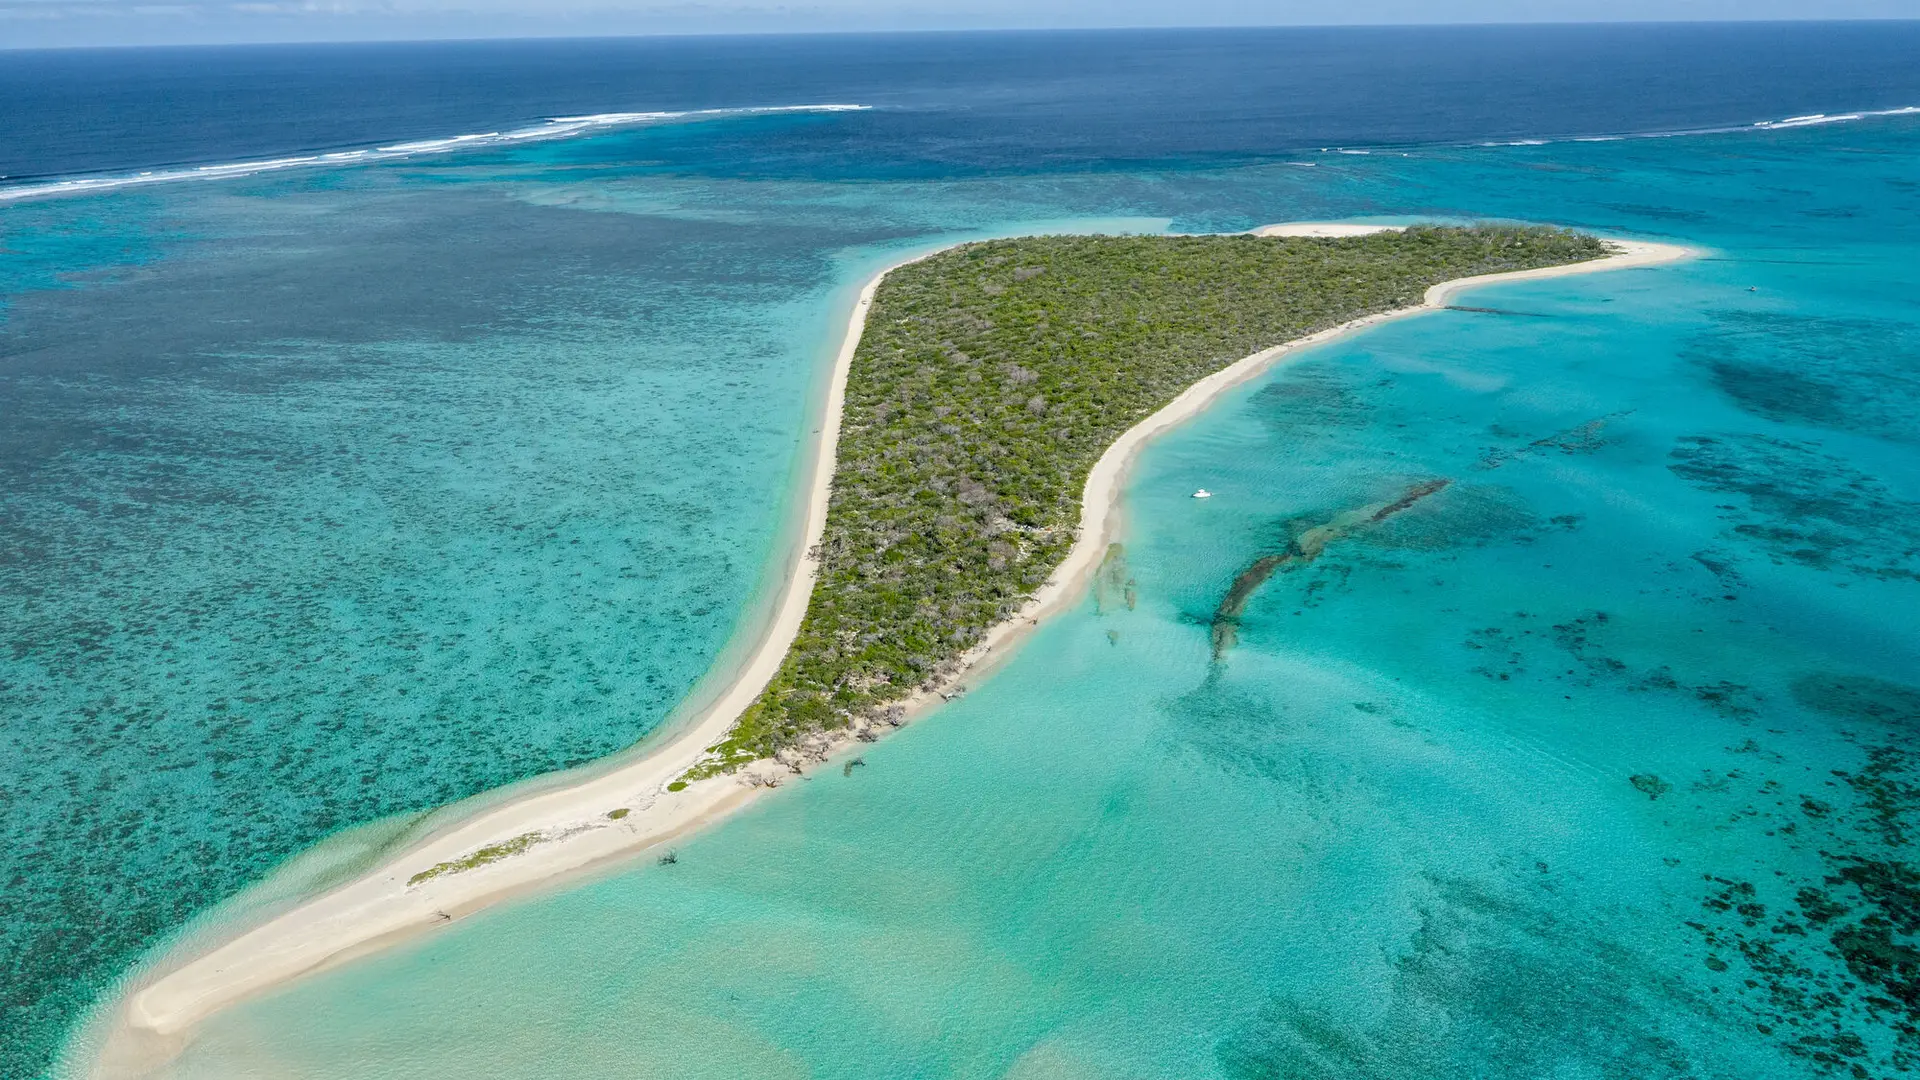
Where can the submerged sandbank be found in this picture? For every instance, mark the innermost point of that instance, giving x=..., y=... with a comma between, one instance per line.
x=546, y=835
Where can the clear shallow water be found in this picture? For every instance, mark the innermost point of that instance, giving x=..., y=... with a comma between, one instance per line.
x=313, y=525
x=1491, y=790
x=334, y=495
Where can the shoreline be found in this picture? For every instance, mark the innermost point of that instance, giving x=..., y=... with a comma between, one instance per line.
x=562, y=831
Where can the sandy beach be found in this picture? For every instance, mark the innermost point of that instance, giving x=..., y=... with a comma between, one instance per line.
x=615, y=813
x=1324, y=229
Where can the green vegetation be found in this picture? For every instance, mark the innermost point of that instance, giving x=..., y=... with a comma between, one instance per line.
x=491, y=853
x=989, y=380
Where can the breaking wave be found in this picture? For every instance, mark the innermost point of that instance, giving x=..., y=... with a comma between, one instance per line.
x=1787, y=123
x=558, y=127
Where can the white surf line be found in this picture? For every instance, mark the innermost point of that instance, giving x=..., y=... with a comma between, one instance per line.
x=558, y=127
x=573, y=828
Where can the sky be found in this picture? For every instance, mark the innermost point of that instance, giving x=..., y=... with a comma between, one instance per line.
x=41, y=23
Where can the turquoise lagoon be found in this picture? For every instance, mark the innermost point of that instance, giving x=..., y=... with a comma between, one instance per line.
x=334, y=496
x=1598, y=763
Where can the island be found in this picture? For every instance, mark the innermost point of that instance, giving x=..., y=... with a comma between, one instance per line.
x=990, y=379
x=984, y=406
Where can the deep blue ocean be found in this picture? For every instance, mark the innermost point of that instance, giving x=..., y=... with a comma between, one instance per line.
x=952, y=104
x=382, y=425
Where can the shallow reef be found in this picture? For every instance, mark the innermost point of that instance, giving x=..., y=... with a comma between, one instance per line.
x=1828, y=963
x=1804, y=505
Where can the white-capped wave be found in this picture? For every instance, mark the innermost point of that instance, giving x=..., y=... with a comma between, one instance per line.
x=254, y=166
x=641, y=117
x=609, y=118
x=1817, y=119
x=1809, y=120
x=558, y=127
x=428, y=146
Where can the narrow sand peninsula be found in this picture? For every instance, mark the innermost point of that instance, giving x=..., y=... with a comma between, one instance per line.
x=550, y=834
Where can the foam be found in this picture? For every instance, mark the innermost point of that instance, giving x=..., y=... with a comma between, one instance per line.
x=1787, y=123
x=1807, y=121
x=429, y=146
x=1817, y=119
x=558, y=127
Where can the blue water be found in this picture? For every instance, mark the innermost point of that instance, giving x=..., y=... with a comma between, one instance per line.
x=952, y=103
x=340, y=492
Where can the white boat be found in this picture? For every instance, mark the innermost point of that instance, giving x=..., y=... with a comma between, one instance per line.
x=1203, y=493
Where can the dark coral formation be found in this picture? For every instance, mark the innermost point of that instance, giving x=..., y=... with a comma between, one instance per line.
x=1584, y=438
x=1804, y=506
x=1834, y=973
x=1860, y=698
x=1649, y=784
x=1472, y=515
x=1113, y=585
x=1313, y=400
x=1487, y=983
x=1579, y=637
x=1302, y=548
x=1800, y=369
x=1830, y=963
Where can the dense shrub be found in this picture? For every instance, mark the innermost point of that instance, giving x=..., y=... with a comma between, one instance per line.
x=989, y=380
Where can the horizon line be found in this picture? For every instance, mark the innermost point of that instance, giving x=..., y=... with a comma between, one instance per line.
x=934, y=31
